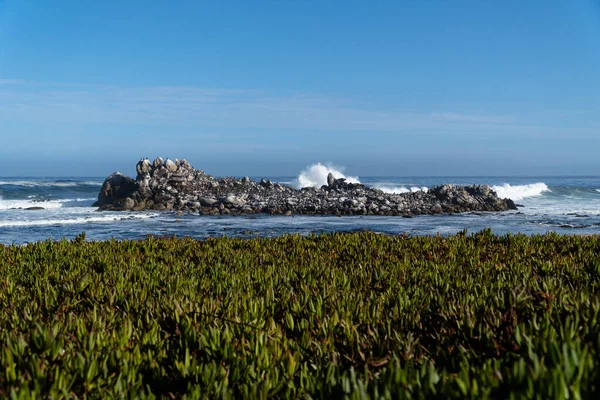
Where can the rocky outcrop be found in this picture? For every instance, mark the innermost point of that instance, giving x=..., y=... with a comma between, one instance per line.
x=175, y=185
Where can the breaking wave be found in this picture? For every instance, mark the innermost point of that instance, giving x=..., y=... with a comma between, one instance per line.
x=46, y=204
x=72, y=221
x=316, y=176
x=519, y=192
x=50, y=183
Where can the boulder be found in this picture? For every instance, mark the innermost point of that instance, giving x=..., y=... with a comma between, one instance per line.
x=128, y=203
x=208, y=201
x=143, y=166
x=116, y=187
x=170, y=165
x=330, y=179
x=158, y=161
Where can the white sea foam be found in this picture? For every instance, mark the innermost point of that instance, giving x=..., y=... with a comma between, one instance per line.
x=47, y=205
x=316, y=176
x=49, y=183
x=519, y=192
x=391, y=189
x=71, y=221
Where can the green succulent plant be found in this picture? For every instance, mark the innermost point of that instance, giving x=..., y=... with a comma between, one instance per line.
x=349, y=315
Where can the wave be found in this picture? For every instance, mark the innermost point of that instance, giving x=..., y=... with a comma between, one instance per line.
x=519, y=192
x=50, y=183
x=400, y=189
x=316, y=176
x=73, y=221
x=46, y=204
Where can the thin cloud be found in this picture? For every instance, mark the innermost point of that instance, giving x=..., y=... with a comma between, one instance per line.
x=215, y=108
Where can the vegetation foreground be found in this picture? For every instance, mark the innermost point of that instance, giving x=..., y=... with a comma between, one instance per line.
x=356, y=315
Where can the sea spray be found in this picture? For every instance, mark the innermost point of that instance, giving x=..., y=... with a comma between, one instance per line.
x=316, y=176
x=519, y=192
x=400, y=189
x=46, y=204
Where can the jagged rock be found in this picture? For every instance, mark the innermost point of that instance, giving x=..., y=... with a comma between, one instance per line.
x=177, y=186
x=158, y=161
x=143, y=166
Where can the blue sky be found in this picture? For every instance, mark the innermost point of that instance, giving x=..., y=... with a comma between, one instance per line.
x=381, y=87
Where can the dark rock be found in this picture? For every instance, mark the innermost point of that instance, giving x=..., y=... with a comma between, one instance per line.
x=116, y=187
x=34, y=208
x=177, y=186
x=330, y=179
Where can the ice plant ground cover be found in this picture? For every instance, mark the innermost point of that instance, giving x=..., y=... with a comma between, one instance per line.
x=354, y=315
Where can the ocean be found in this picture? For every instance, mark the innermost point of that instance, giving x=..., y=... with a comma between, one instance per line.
x=566, y=205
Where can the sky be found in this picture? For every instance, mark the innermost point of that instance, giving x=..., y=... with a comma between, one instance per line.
x=379, y=87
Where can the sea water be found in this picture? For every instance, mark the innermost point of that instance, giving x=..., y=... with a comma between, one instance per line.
x=566, y=205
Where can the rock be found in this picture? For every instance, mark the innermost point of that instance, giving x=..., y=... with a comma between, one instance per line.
x=35, y=208
x=208, y=201
x=266, y=183
x=141, y=206
x=116, y=187
x=234, y=200
x=128, y=203
x=177, y=186
x=330, y=179
x=170, y=165
x=143, y=166
x=184, y=164
x=158, y=161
